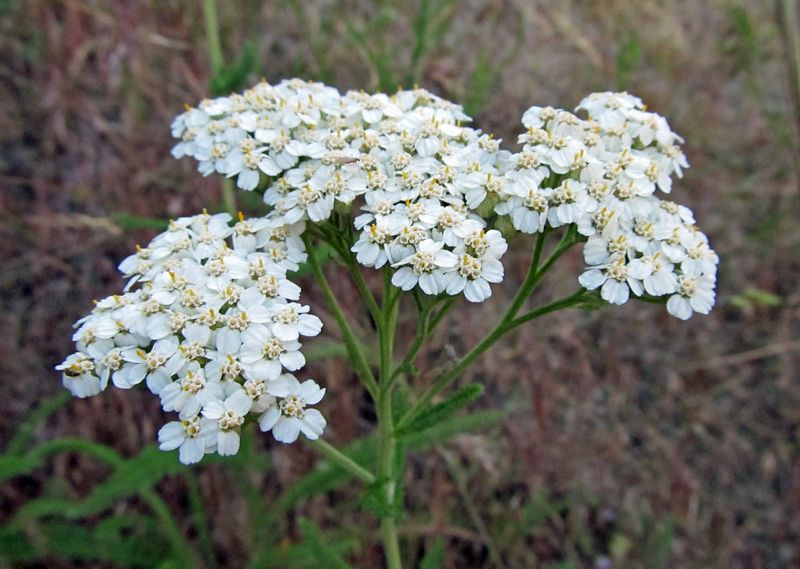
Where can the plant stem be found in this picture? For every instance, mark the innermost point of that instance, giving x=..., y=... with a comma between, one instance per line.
x=427, y=325
x=387, y=447
x=229, y=196
x=353, y=346
x=337, y=457
x=333, y=236
x=217, y=63
x=199, y=517
x=212, y=35
x=506, y=324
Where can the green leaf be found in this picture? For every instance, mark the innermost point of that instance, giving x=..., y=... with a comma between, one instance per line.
x=441, y=411
x=434, y=557
x=124, y=541
x=12, y=465
x=131, y=221
x=629, y=54
x=455, y=426
x=234, y=76
x=323, y=252
x=479, y=85
x=22, y=439
x=325, y=554
x=134, y=476
x=329, y=476
x=746, y=38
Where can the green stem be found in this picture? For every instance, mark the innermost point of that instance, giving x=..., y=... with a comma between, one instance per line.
x=217, y=63
x=337, y=457
x=212, y=35
x=387, y=448
x=229, y=196
x=566, y=302
x=200, y=517
x=334, y=237
x=506, y=324
x=363, y=288
x=427, y=326
x=353, y=346
x=525, y=288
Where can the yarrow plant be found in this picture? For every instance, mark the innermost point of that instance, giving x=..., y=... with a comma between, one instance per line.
x=212, y=324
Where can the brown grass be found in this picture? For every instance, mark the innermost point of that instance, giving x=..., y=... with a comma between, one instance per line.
x=624, y=423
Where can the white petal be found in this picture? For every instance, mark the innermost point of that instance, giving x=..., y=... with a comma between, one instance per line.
x=228, y=443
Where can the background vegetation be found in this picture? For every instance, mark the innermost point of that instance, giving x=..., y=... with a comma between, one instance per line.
x=624, y=437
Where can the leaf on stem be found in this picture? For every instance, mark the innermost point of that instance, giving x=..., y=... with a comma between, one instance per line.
x=322, y=552
x=442, y=411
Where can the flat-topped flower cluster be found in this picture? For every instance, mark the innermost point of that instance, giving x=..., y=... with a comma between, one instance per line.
x=433, y=192
x=416, y=172
x=601, y=174
x=210, y=323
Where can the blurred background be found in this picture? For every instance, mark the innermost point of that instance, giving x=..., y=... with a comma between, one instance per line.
x=627, y=439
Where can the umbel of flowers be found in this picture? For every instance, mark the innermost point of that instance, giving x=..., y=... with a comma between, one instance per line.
x=210, y=323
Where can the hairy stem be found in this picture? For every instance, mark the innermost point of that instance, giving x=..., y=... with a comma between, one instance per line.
x=351, y=342
x=506, y=324
x=387, y=445
x=212, y=35
x=337, y=457
x=428, y=322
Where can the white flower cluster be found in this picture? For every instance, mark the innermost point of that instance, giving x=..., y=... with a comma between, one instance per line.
x=601, y=175
x=210, y=323
x=421, y=174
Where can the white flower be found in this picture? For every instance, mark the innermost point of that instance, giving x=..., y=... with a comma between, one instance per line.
x=157, y=365
x=228, y=416
x=292, y=320
x=192, y=436
x=655, y=272
x=188, y=394
x=290, y=416
x=426, y=268
x=472, y=275
x=615, y=279
x=263, y=354
x=694, y=294
x=370, y=249
x=79, y=375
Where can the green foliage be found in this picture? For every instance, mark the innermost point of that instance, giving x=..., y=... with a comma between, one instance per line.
x=24, y=435
x=480, y=84
x=434, y=557
x=560, y=565
x=754, y=297
x=132, y=477
x=439, y=412
x=329, y=476
x=543, y=507
x=369, y=38
x=323, y=251
x=131, y=221
x=431, y=21
x=234, y=76
x=12, y=465
x=323, y=553
x=455, y=426
x=125, y=541
x=374, y=500
x=629, y=54
x=745, y=46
